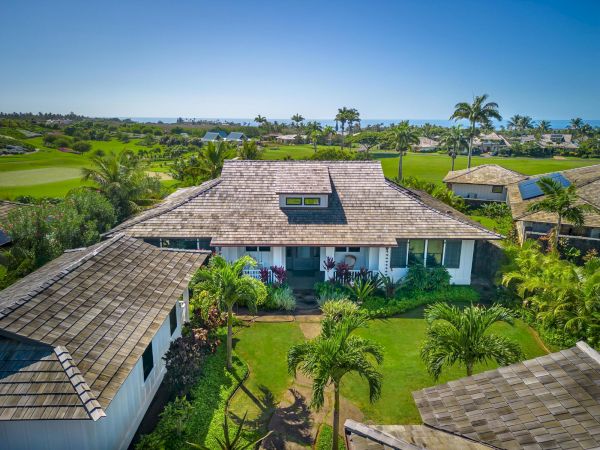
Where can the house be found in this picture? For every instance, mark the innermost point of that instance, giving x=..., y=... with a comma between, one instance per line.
x=236, y=136
x=487, y=182
x=295, y=214
x=536, y=224
x=214, y=136
x=426, y=145
x=558, y=140
x=550, y=402
x=82, y=340
x=490, y=142
x=290, y=138
x=6, y=208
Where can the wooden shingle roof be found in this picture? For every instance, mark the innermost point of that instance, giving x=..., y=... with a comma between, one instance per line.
x=550, y=402
x=486, y=174
x=93, y=311
x=586, y=180
x=242, y=208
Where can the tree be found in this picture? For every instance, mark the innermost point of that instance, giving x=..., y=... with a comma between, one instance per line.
x=463, y=337
x=403, y=136
x=314, y=131
x=297, y=119
x=352, y=116
x=563, y=202
x=250, y=150
x=342, y=118
x=367, y=139
x=520, y=123
x=227, y=285
x=211, y=159
x=454, y=141
x=576, y=124
x=477, y=112
x=121, y=178
x=328, y=131
x=335, y=353
x=544, y=126
x=260, y=119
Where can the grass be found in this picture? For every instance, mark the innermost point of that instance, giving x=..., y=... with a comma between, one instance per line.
x=404, y=372
x=325, y=438
x=266, y=345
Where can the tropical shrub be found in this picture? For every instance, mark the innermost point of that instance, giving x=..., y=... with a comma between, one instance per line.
x=420, y=278
x=495, y=210
x=326, y=291
x=281, y=297
x=183, y=361
x=361, y=289
x=280, y=275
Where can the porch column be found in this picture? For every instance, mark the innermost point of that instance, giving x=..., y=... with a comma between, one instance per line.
x=384, y=260
x=373, y=262
x=278, y=256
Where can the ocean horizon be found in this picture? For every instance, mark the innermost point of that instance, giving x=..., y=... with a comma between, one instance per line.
x=554, y=123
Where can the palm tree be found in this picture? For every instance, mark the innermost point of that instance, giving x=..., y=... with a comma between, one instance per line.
x=249, y=150
x=463, y=337
x=544, y=126
x=260, y=119
x=403, y=136
x=328, y=131
x=227, y=285
x=211, y=159
x=342, y=118
x=513, y=122
x=121, y=178
x=476, y=112
x=314, y=131
x=352, y=116
x=454, y=140
x=297, y=119
x=335, y=353
x=563, y=202
x=576, y=123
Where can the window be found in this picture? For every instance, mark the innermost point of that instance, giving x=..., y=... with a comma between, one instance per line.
x=182, y=244
x=341, y=249
x=152, y=241
x=347, y=249
x=204, y=244
x=148, y=360
x=497, y=189
x=264, y=249
x=416, y=252
x=435, y=249
x=353, y=249
x=312, y=201
x=398, y=255
x=173, y=319
x=452, y=254
x=251, y=249
x=293, y=201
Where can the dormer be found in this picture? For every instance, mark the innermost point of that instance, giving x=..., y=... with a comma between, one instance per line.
x=304, y=188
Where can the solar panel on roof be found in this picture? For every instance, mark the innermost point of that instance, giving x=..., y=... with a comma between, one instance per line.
x=530, y=189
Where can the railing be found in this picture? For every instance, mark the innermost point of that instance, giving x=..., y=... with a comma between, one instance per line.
x=255, y=273
x=352, y=275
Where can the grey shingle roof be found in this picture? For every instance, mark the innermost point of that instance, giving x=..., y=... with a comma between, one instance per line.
x=550, y=402
x=235, y=136
x=93, y=311
x=487, y=174
x=242, y=208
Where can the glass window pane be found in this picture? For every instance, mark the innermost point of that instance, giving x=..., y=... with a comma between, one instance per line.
x=435, y=248
x=173, y=319
x=497, y=189
x=452, y=255
x=147, y=361
x=353, y=249
x=416, y=252
x=152, y=241
x=398, y=255
x=251, y=249
x=293, y=201
x=264, y=249
x=204, y=244
x=312, y=201
x=340, y=249
x=183, y=244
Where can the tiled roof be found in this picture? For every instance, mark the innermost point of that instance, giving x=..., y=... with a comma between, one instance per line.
x=587, y=181
x=550, y=402
x=242, y=208
x=487, y=174
x=307, y=178
x=92, y=310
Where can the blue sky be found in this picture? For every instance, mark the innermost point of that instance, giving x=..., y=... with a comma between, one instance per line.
x=396, y=59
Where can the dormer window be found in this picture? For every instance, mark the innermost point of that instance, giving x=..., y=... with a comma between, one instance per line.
x=293, y=201
x=303, y=201
x=309, y=186
x=312, y=201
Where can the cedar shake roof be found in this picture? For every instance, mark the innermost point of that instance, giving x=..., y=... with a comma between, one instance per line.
x=303, y=179
x=586, y=180
x=486, y=174
x=242, y=208
x=550, y=402
x=72, y=331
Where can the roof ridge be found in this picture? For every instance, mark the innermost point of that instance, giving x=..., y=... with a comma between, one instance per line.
x=209, y=185
x=83, y=390
x=458, y=219
x=588, y=350
x=23, y=299
x=378, y=436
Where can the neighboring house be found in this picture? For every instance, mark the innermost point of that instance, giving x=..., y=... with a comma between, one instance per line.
x=82, y=340
x=550, y=402
x=295, y=214
x=214, y=136
x=491, y=142
x=5, y=208
x=487, y=182
x=535, y=225
x=236, y=136
x=426, y=145
x=290, y=138
x=557, y=140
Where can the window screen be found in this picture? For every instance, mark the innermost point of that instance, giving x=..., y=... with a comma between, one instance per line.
x=416, y=252
x=452, y=255
x=148, y=360
x=398, y=255
x=435, y=249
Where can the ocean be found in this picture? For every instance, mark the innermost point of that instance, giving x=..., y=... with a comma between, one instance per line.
x=555, y=123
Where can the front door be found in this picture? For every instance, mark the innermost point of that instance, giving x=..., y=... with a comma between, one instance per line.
x=303, y=258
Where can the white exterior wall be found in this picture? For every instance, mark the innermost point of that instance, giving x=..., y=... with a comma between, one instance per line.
x=123, y=415
x=362, y=257
x=482, y=192
x=274, y=257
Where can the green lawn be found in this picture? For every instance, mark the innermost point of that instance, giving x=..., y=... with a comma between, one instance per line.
x=264, y=346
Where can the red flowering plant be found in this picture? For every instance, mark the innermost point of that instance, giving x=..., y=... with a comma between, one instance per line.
x=280, y=275
x=342, y=273
x=264, y=275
